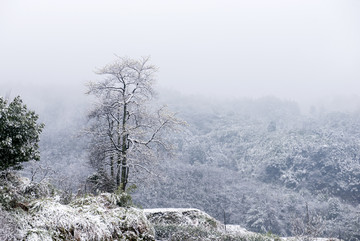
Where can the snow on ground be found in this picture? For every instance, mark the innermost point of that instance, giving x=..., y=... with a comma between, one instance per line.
x=33, y=212
x=163, y=210
x=237, y=229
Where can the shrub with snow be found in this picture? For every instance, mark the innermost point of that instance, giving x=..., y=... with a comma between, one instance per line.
x=30, y=212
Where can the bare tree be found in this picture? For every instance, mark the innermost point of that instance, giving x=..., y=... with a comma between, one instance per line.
x=127, y=130
x=310, y=226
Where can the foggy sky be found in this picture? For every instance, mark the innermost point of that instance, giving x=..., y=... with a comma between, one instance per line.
x=295, y=49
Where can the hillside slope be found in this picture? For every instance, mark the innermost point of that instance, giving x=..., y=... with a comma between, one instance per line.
x=30, y=211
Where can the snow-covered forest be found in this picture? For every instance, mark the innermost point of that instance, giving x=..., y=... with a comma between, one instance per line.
x=241, y=112
x=260, y=163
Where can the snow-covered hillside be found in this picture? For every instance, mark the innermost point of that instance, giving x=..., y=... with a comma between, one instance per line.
x=31, y=212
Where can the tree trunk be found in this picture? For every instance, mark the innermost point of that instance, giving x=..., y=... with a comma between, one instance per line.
x=124, y=166
x=124, y=175
x=112, y=166
x=118, y=175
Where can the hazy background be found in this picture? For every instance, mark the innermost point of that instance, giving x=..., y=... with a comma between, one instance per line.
x=302, y=50
x=264, y=155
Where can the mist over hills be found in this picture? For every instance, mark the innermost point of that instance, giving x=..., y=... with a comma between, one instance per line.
x=261, y=163
x=269, y=89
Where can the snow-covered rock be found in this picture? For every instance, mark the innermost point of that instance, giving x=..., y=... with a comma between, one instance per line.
x=183, y=217
x=183, y=224
x=237, y=229
x=193, y=224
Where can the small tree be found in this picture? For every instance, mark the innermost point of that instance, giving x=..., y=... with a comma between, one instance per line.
x=19, y=134
x=127, y=131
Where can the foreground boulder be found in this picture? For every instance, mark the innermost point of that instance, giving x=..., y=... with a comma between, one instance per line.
x=193, y=224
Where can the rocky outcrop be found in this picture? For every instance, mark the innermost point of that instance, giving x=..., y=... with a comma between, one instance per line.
x=183, y=217
x=193, y=224
x=176, y=224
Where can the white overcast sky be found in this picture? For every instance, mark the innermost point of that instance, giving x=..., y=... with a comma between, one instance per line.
x=293, y=49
